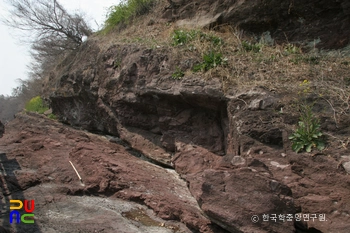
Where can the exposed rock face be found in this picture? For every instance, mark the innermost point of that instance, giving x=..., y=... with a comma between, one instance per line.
x=230, y=197
x=127, y=91
x=35, y=155
x=287, y=21
x=2, y=129
x=139, y=101
x=138, y=96
x=226, y=145
x=37, y=166
x=266, y=184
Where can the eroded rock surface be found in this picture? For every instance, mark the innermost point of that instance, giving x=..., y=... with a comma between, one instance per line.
x=230, y=146
x=35, y=165
x=139, y=101
x=267, y=183
x=324, y=22
x=230, y=197
x=127, y=91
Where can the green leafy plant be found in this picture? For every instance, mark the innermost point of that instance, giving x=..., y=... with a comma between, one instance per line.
x=125, y=11
x=308, y=135
x=215, y=40
x=178, y=74
x=52, y=116
x=36, y=104
x=210, y=60
x=251, y=47
x=292, y=49
x=181, y=37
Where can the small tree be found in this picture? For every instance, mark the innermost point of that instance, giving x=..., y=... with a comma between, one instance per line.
x=51, y=27
x=51, y=31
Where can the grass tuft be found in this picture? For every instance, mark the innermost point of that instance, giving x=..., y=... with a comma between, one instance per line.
x=251, y=47
x=125, y=11
x=178, y=74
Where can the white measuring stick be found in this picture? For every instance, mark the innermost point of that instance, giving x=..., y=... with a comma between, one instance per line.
x=76, y=172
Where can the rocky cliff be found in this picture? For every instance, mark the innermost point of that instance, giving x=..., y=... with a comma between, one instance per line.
x=294, y=21
x=211, y=156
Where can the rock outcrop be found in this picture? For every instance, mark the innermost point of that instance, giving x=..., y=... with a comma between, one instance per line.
x=138, y=97
x=326, y=23
x=231, y=197
x=192, y=154
x=265, y=184
x=127, y=91
x=233, y=192
x=35, y=156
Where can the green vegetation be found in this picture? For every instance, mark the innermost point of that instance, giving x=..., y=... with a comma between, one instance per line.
x=204, y=41
x=52, y=116
x=125, y=11
x=251, y=47
x=181, y=37
x=214, y=40
x=36, y=104
x=292, y=49
x=210, y=60
x=178, y=74
x=308, y=134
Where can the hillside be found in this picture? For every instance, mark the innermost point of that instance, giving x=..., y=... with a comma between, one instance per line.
x=206, y=91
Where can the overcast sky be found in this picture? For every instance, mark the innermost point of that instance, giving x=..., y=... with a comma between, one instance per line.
x=14, y=57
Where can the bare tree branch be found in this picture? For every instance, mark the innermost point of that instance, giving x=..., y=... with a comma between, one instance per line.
x=48, y=20
x=52, y=32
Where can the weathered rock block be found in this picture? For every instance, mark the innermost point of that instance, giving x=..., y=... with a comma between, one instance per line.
x=231, y=197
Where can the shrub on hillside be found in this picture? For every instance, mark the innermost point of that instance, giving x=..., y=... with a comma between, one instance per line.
x=125, y=11
x=36, y=104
